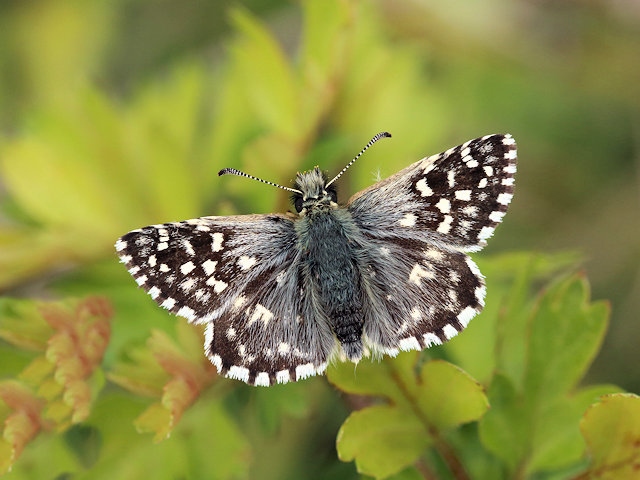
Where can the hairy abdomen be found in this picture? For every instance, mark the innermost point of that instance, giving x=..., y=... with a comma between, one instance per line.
x=331, y=264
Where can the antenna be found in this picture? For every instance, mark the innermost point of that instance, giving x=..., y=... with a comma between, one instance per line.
x=371, y=142
x=233, y=171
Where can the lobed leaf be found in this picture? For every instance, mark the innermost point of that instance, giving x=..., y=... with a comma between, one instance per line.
x=611, y=429
x=425, y=400
x=382, y=439
x=532, y=425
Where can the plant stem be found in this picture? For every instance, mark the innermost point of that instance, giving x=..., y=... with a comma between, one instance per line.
x=445, y=451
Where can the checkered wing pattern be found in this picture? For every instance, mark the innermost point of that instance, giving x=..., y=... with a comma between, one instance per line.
x=423, y=289
x=240, y=276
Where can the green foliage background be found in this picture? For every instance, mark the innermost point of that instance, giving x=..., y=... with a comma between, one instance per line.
x=119, y=114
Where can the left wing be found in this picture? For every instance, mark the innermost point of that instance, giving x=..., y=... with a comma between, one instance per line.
x=240, y=276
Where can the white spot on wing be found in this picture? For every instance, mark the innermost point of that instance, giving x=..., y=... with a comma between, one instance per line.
x=433, y=254
x=215, y=359
x=423, y=188
x=485, y=233
x=444, y=205
x=202, y=295
x=449, y=331
x=464, y=195
x=472, y=163
x=504, y=198
x=409, y=220
x=245, y=262
x=187, y=268
x=445, y=225
x=304, y=371
x=239, y=301
x=430, y=339
x=169, y=303
x=417, y=273
x=209, y=267
x=121, y=245
x=283, y=376
x=409, y=343
x=473, y=267
x=239, y=373
x=480, y=293
x=496, y=216
x=465, y=316
x=261, y=313
x=218, y=285
x=216, y=241
x=262, y=380
x=470, y=211
x=187, y=313
x=187, y=285
x=188, y=247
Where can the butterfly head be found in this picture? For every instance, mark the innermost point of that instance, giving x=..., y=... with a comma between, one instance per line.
x=312, y=192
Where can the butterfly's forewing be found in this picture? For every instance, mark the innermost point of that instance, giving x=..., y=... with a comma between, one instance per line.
x=456, y=198
x=240, y=276
x=417, y=224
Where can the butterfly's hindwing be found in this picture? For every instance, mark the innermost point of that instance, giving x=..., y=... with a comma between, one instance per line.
x=456, y=198
x=420, y=294
x=240, y=275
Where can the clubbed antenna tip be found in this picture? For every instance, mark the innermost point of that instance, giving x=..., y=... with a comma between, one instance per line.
x=233, y=171
x=371, y=142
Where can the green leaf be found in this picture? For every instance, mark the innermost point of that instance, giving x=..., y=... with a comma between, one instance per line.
x=557, y=441
x=504, y=429
x=448, y=396
x=496, y=339
x=566, y=333
x=611, y=429
x=376, y=378
x=382, y=439
x=532, y=425
x=426, y=401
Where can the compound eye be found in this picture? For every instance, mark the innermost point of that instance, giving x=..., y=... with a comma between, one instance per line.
x=297, y=203
x=333, y=194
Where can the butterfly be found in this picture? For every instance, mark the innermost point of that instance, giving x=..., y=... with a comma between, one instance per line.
x=284, y=294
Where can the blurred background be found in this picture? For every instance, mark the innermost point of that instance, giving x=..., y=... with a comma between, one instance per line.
x=119, y=114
